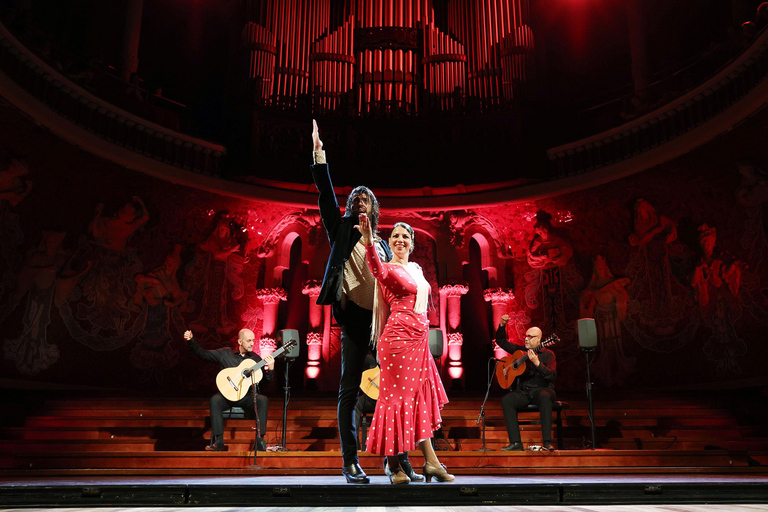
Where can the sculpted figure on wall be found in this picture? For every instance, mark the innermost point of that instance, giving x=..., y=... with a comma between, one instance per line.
x=605, y=299
x=113, y=232
x=653, y=288
x=161, y=295
x=712, y=270
x=14, y=183
x=108, y=286
x=716, y=281
x=219, y=265
x=553, y=280
x=752, y=193
x=31, y=351
x=14, y=186
x=547, y=249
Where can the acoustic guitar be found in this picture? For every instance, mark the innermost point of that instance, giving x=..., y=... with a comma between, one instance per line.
x=369, y=384
x=509, y=367
x=233, y=383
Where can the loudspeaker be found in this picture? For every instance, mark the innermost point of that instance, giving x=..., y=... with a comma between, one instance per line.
x=436, y=342
x=284, y=337
x=587, y=333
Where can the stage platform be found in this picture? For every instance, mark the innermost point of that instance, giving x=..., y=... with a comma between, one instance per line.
x=332, y=491
x=100, y=451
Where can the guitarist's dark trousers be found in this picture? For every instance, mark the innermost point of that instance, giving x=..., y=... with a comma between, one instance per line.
x=219, y=403
x=517, y=400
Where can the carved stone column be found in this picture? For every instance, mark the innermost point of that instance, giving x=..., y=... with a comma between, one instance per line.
x=314, y=353
x=312, y=288
x=455, y=341
x=267, y=345
x=318, y=340
x=499, y=299
x=450, y=323
x=450, y=294
x=270, y=297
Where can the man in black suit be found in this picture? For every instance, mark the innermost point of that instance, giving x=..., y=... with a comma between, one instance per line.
x=229, y=358
x=535, y=386
x=348, y=285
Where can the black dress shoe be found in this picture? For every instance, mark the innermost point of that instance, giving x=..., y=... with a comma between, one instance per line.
x=546, y=445
x=408, y=469
x=514, y=447
x=218, y=447
x=355, y=474
x=261, y=444
x=405, y=465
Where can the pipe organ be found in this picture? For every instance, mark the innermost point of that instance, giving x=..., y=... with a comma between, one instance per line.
x=388, y=57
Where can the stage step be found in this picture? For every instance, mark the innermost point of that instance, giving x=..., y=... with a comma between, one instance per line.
x=106, y=435
x=332, y=459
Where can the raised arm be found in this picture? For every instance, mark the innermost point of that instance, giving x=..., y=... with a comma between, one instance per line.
x=501, y=336
x=329, y=206
x=208, y=355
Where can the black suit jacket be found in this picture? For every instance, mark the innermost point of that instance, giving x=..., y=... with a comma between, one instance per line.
x=342, y=237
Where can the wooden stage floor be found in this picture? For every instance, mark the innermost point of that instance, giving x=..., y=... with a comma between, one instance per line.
x=332, y=491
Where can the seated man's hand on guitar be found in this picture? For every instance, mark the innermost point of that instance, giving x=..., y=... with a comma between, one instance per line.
x=270, y=362
x=534, y=358
x=188, y=335
x=504, y=320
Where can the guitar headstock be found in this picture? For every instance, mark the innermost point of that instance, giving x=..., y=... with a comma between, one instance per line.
x=288, y=345
x=551, y=340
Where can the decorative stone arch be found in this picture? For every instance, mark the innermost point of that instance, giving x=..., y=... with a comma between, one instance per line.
x=276, y=248
x=486, y=253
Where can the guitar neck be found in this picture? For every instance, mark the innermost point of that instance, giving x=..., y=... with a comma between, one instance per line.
x=261, y=364
x=536, y=350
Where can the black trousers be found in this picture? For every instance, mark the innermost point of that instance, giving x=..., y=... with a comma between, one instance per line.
x=516, y=400
x=219, y=403
x=355, y=345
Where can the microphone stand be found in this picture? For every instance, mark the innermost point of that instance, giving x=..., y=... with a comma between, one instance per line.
x=589, y=398
x=286, y=398
x=481, y=416
x=258, y=423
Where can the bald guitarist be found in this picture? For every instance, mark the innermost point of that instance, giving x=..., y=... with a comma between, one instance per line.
x=536, y=385
x=228, y=358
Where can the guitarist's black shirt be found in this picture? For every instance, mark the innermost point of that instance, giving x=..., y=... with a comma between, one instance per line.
x=542, y=376
x=226, y=357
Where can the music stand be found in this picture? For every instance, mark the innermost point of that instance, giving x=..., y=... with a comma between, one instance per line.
x=588, y=344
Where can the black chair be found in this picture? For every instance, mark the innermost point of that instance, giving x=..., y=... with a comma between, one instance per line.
x=234, y=413
x=557, y=409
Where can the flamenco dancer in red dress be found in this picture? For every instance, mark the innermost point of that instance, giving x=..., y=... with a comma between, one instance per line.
x=411, y=393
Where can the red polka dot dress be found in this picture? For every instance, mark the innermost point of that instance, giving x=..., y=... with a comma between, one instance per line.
x=411, y=393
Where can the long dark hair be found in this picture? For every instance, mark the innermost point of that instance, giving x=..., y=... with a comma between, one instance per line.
x=374, y=216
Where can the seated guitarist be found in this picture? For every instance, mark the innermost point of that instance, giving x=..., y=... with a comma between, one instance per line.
x=228, y=358
x=535, y=386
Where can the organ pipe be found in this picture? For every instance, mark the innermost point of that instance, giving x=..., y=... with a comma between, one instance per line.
x=383, y=54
